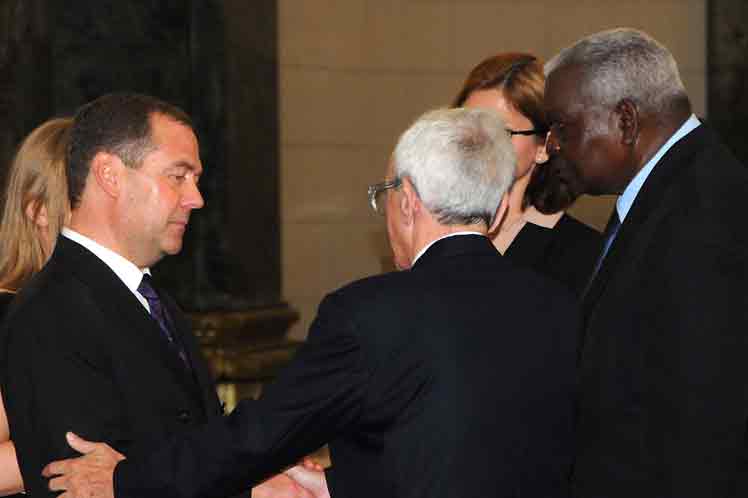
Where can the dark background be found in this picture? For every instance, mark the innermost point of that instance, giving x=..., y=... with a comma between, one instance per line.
x=217, y=59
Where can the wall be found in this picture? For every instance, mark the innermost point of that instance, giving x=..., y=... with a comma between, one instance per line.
x=355, y=73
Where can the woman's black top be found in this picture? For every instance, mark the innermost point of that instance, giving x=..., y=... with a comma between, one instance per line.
x=566, y=253
x=5, y=299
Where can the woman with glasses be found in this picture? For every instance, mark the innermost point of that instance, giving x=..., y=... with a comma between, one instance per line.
x=35, y=207
x=535, y=231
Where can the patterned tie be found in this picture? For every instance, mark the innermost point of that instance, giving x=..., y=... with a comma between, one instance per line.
x=611, y=230
x=161, y=315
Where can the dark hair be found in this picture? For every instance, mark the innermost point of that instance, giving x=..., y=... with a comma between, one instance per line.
x=117, y=123
x=521, y=80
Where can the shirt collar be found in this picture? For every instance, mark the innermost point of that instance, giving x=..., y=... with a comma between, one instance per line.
x=626, y=200
x=127, y=271
x=426, y=248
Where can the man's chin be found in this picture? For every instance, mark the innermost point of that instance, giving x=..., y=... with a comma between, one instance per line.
x=172, y=248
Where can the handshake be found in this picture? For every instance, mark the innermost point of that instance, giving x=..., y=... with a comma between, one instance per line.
x=91, y=475
x=305, y=480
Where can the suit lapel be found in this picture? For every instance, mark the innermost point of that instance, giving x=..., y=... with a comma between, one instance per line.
x=647, y=208
x=116, y=300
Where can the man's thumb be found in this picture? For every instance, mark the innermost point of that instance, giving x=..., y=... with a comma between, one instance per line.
x=79, y=444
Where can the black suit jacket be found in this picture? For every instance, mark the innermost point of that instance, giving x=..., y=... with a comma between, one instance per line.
x=453, y=379
x=664, y=367
x=80, y=353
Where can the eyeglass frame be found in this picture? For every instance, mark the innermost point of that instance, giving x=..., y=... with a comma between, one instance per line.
x=527, y=133
x=378, y=188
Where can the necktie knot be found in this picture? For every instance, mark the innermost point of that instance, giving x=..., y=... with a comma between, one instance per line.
x=146, y=289
x=154, y=303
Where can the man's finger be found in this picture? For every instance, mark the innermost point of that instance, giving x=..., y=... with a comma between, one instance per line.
x=79, y=444
x=58, y=484
x=55, y=468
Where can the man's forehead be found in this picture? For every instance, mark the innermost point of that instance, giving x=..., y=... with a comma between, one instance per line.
x=563, y=89
x=166, y=128
x=167, y=131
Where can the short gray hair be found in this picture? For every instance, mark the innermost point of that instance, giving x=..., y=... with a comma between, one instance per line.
x=460, y=161
x=625, y=63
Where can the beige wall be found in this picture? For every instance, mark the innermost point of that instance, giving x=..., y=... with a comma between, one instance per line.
x=355, y=73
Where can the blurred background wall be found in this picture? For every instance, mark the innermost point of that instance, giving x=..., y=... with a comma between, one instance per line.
x=355, y=73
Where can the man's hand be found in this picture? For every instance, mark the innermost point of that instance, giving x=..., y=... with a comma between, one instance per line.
x=88, y=476
x=312, y=480
x=280, y=486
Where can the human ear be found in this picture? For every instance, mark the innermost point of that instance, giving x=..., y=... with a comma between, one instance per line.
x=37, y=213
x=106, y=171
x=628, y=121
x=541, y=153
x=409, y=204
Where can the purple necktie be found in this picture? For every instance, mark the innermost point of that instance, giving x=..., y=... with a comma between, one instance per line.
x=161, y=315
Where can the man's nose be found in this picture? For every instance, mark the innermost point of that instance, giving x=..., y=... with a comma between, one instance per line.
x=192, y=198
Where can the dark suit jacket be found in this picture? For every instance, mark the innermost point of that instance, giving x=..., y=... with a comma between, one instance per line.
x=80, y=353
x=664, y=367
x=453, y=379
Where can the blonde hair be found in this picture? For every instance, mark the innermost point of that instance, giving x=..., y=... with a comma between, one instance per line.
x=36, y=179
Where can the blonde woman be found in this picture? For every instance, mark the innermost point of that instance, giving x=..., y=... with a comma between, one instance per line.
x=35, y=206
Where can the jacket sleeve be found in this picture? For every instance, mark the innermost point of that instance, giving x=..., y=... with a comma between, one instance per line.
x=318, y=395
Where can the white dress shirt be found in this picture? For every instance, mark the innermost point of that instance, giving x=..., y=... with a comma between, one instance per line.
x=130, y=274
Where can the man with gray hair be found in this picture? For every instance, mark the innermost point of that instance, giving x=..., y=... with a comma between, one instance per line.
x=453, y=378
x=663, y=371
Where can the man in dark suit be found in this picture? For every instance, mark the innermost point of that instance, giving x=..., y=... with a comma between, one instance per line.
x=453, y=378
x=90, y=345
x=664, y=377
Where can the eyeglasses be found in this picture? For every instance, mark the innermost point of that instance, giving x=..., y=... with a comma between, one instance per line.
x=377, y=190
x=527, y=133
